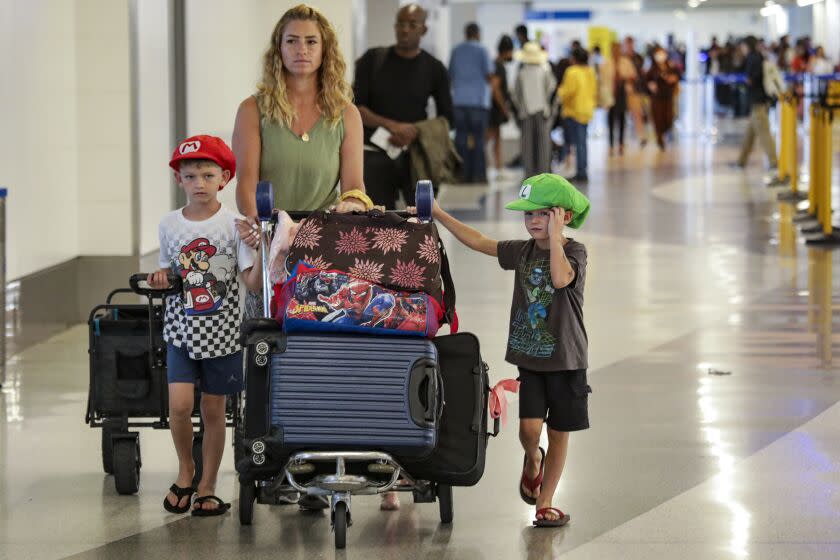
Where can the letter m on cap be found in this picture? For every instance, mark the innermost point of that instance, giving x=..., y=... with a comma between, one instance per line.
x=524, y=192
x=189, y=147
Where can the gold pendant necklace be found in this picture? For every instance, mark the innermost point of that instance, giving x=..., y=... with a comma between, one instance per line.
x=305, y=137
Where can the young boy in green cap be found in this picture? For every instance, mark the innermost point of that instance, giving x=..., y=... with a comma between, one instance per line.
x=547, y=338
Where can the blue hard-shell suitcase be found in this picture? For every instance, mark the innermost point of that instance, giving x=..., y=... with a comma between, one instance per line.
x=344, y=392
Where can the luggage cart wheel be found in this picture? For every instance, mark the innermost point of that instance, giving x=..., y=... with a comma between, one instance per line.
x=340, y=515
x=444, y=495
x=127, y=464
x=424, y=197
x=265, y=200
x=198, y=438
x=247, y=496
x=107, y=450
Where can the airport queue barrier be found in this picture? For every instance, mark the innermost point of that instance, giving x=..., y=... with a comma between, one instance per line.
x=789, y=146
x=816, y=220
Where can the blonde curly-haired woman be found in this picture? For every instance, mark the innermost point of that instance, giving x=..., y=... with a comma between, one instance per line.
x=301, y=130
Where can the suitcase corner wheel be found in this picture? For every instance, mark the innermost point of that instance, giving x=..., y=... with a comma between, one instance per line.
x=126, y=462
x=428, y=492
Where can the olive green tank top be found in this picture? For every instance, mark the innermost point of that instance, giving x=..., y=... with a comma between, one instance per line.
x=304, y=173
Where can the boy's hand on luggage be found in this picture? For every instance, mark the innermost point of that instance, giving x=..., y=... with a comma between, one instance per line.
x=158, y=280
x=249, y=232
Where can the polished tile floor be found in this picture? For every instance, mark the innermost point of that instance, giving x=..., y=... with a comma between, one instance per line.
x=715, y=424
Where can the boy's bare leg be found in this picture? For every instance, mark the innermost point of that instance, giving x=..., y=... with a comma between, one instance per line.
x=530, y=430
x=213, y=446
x=555, y=460
x=180, y=424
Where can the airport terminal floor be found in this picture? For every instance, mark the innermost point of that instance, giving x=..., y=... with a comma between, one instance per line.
x=715, y=417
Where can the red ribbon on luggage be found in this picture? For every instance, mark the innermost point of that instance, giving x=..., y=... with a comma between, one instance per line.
x=498, y=401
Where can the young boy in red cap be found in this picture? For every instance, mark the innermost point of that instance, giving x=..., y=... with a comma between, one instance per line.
x=200, y=243
x=547, y=338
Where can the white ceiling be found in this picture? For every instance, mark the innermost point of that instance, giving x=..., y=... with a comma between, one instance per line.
x=708, y=4
x=640, y=4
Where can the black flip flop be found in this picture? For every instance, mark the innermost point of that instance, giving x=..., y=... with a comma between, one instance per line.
x=561, y=520
x=180, y=493
x=530, y=500
x=201, y=512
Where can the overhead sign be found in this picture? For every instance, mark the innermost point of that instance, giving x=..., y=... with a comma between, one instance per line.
x=557, y=15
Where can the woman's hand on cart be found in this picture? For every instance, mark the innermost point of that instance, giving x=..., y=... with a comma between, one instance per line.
x=249, y=231
x=349, y=205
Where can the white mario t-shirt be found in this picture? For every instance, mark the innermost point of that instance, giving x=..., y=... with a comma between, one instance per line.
x=208, y=254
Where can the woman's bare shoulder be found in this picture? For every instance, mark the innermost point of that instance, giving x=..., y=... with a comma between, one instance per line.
x=249, y=105
x=351, y=112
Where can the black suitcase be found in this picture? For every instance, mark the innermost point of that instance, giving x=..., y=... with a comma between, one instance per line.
x=458, y=459
x=344, y=393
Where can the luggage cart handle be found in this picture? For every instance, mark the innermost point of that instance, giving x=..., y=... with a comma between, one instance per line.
x=175, y=285
x=303, y=214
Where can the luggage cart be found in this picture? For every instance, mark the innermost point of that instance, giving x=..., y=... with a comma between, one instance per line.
x=128, y=384
x=268, y=467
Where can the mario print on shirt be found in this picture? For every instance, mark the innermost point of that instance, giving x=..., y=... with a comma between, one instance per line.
x=203, y=292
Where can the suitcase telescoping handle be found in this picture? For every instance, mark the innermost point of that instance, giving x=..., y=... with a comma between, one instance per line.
x=136, y=280
x=265, y=212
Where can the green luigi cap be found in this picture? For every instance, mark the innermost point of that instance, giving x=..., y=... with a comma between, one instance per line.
x=548, y=190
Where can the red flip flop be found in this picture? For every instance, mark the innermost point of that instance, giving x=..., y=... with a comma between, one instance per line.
x=531, y=484
x=561, y=520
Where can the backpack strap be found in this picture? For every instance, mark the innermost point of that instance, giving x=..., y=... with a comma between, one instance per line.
x=448, y=290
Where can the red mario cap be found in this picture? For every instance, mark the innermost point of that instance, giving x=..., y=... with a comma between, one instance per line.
x=202, y=245
x=204, y=146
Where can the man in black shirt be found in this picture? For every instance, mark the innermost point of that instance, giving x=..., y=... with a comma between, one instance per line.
x=392, y=87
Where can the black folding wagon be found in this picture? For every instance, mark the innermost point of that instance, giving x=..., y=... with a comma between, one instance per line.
x=128, y=385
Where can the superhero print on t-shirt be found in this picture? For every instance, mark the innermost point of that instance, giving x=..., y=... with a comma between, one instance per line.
x=200, y=268
x=529, y=332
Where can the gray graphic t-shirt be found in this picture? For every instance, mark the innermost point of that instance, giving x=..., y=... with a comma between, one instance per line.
x=546, y=324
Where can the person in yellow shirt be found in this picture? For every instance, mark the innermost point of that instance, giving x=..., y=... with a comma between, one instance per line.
x=577, y=95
